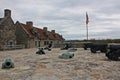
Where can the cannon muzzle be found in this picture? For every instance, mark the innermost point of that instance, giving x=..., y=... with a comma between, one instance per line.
x=7, y=64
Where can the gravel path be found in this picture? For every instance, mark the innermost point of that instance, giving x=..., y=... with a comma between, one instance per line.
x=83, y=66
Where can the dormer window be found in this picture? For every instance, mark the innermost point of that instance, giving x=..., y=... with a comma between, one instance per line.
x=47, y=33
x=34, y=31
x=38, y=35
x=56, y=35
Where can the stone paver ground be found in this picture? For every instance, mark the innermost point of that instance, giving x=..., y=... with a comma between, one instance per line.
x=83, y=66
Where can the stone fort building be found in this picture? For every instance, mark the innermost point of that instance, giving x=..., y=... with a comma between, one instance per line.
x=20, y=35
x=7, y=30
x=32, y=36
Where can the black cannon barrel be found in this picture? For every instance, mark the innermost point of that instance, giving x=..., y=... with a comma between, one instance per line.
x=98, y=44
x=113, y=52
x=114, y=47
x=87, y=45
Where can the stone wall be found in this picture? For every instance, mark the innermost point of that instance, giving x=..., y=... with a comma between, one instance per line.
x=7, y=32
x=21, y=36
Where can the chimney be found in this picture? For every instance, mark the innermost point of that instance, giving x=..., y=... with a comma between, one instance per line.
x=45, y=28
x=7, y=13
x=53, y=31
x=30, y=23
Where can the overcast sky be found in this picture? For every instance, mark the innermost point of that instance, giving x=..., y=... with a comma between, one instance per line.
x=68, y=17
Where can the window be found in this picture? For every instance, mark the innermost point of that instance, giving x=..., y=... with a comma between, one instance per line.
x=10, y=43
x=35, y=43
x=39, y=44
x=51, y=42
x=46, y=42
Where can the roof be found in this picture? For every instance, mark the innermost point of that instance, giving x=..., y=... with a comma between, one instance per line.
x=28, y=30
x=40, y=33
x=59, y=37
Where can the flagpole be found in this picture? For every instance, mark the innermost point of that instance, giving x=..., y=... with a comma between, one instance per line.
x=87, y=31
x=87, y=21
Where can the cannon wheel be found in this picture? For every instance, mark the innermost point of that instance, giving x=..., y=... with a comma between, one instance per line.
x=93, y=50
x=112, y=56
x=37, y=52
x=85, y=48
x=70, y=56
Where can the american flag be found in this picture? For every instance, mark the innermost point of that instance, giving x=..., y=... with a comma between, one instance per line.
x=87, y=19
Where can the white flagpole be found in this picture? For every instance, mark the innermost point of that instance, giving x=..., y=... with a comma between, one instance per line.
x=87, y=31
x=87, y=21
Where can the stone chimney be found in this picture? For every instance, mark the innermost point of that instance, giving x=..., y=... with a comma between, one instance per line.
x=30, y=23
x=7, y=13
x=45, y=28
x=53, y=31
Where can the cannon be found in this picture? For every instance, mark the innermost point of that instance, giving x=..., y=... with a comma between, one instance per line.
x=98, y=47
x=66, y=55
x=48, y=47
x=94, y=47
x=87, y=45
x=73, y=49
x=113, y=52
x=7, y=64
x=66, y=47
x=40, y=51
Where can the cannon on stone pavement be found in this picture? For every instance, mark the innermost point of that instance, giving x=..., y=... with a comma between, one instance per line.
x=66, y=55
x=40, y=51
x=72, y=49
x=113, y=52
x=66, y=47
x=7, y=64
x=94, y=47
x=48, y=47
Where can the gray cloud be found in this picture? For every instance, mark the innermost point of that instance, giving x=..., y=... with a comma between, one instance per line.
x=68, y=16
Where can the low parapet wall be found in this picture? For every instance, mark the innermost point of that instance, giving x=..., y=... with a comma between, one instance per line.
x=11, y=47
x=75, y=45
